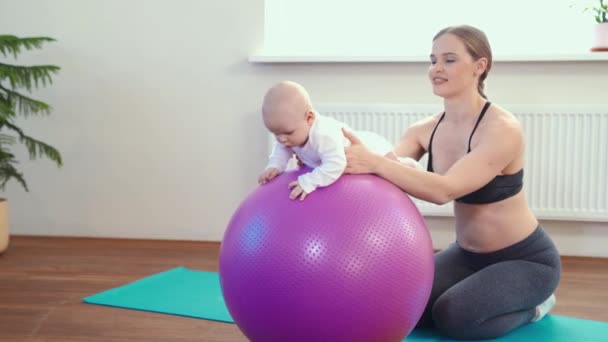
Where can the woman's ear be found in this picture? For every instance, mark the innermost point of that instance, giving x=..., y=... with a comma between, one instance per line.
x=481, y=65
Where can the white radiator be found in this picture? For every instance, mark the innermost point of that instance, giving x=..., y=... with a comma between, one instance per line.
x=566, y=162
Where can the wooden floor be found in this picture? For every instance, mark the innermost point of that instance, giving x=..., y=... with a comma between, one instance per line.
x=43, y=281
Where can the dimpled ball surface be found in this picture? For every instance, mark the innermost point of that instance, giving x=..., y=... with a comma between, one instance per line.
x=352, y=262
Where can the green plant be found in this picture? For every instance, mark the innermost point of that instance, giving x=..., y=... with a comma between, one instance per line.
x=14, y=79
x=599, y=12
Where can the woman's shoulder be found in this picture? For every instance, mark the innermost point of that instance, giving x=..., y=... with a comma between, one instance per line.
x=420, y=130
x=499, y=121
x=501, y=116
x=427, y=124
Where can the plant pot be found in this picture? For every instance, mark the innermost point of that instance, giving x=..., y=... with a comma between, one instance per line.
x=4, y=235
x=600, y=37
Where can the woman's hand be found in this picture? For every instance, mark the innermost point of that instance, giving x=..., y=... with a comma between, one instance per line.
x=358, y=158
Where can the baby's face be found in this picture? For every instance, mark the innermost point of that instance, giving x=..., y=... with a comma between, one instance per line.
x=290, y=130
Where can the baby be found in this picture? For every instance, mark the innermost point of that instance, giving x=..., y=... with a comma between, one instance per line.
x=317, y=141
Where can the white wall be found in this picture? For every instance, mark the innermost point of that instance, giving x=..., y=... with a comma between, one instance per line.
x=156, y=114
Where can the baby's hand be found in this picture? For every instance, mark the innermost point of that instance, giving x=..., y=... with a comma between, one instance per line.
x=297, y=191
x=268, y=175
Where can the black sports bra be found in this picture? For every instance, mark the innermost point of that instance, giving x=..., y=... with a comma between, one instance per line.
x=498, y=189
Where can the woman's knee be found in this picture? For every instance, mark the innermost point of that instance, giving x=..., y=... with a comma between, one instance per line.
x=426, y=320
x=454, y=318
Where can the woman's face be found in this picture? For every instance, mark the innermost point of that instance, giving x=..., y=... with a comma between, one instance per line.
x=452, y=69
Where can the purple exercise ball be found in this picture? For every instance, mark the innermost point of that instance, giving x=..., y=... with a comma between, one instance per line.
x=352, y=262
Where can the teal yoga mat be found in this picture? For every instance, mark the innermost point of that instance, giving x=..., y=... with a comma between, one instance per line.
x=192, y=293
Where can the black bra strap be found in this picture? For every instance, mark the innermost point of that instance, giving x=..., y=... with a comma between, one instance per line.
x=483, y=112
x=429, y=165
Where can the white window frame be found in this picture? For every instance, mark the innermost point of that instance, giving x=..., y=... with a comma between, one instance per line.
x=349, y=30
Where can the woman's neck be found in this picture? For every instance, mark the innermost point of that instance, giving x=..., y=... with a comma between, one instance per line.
x=463, y=107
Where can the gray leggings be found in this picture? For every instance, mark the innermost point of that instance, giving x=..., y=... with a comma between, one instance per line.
x=486, y=295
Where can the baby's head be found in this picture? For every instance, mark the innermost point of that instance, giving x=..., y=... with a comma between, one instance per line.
x=288, y=113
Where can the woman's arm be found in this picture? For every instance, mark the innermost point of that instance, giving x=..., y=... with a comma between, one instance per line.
x=498, y=146
x=409, y=145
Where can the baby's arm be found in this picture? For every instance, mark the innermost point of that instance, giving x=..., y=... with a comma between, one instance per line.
x=333, y=163
x=279, y=157
x=277, y=162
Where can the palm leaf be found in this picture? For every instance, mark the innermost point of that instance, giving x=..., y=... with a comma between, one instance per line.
x=24, y=104
x=27, y=76
x=6, y=139
x=13, y=45
x=13, y=103
x=8, y=172
x=35, y=147
x=6, y=110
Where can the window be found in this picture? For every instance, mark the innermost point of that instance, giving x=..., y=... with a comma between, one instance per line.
x=404, y=28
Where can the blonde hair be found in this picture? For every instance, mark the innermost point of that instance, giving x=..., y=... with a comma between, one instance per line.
x=477, y=45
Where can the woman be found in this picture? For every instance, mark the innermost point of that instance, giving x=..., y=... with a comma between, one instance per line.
x=502, y=270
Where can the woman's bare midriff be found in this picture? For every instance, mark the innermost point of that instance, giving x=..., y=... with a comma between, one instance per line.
x=485, y=228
